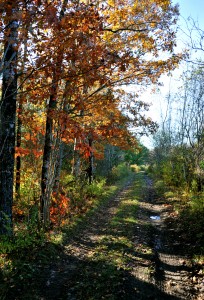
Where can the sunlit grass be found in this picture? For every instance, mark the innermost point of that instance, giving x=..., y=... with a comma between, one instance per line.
x=116, y=246
x=130, y=220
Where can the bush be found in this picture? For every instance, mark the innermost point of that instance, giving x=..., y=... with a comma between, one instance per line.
x=197, y=203
x=22, y=240
x=160, y=187
x=119, y=172
x=96, y=188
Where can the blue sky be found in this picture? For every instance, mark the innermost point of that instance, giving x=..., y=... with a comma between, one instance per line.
x=194, y=9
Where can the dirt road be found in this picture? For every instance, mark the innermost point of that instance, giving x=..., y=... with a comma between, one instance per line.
x=124, y=252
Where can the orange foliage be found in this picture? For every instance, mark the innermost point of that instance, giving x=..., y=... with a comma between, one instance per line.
x=59, y=207
x=86, y=53
x=76, y=53
x=19, y=151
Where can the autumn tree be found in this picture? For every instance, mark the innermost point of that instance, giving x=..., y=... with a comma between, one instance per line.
x=8, y=114
x=103, y=66
x=12, y=15
x=77, y=53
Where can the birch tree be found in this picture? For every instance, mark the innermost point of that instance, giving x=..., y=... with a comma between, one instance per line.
x=8, y=116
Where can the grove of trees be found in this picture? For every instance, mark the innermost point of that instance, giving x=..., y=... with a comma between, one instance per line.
x=179, y=144
x=64, y=67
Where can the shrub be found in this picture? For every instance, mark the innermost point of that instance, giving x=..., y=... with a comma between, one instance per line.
x=96, y=188
x=119, y=172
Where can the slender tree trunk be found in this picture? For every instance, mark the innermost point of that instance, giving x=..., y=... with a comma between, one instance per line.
x=90, y=167
x=59, y=147
x=7, y=126
x=47, y=155
x=46, y=182
x=76, y=161
x=58, y=167
x=19, y=124
x=18, y=144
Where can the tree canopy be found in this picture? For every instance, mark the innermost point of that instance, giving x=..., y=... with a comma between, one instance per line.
x=64, y=65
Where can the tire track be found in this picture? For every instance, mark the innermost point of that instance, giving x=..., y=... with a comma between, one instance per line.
x=171, y=270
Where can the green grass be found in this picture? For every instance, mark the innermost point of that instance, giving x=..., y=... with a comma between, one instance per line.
x=104, y=275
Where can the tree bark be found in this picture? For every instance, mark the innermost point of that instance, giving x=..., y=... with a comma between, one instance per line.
x=7, y=125
x=47, y=155
x=90, y=167
x=76, y=165
x=58, y=166
x=19, y=120
x=18, y=144
x=46, y=180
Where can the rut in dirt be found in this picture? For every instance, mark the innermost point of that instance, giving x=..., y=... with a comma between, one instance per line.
x=171, y=267
x=116, y=256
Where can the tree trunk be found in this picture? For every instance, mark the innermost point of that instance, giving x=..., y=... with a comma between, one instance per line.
x=90, y=167
x=46, y=166
x=58, y=167
x=7, y=126
x=19, y=121
x=76, y=165
x=18, y=144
